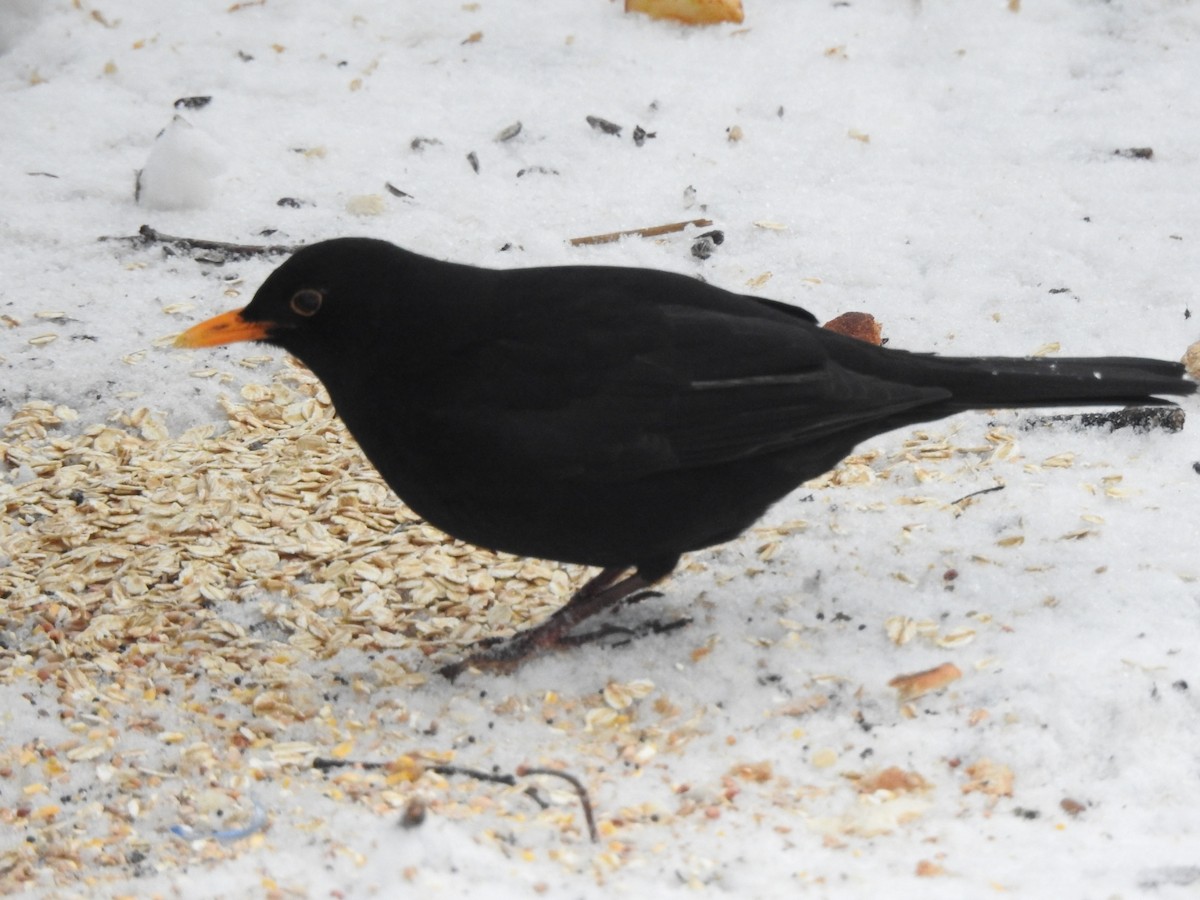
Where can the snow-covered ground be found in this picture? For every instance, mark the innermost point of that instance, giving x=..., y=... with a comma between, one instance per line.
x=965, y=172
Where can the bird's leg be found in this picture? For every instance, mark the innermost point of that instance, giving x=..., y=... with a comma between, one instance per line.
x=604, y=590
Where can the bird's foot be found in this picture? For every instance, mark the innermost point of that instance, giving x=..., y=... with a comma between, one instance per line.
x=503, y=656
x=602, y=592
x=624, y=634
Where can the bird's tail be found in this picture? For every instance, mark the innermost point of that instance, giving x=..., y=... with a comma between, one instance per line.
x=1003, y=381
x=1073, y=381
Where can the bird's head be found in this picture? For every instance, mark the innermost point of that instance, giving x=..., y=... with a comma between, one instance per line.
x=321, y=294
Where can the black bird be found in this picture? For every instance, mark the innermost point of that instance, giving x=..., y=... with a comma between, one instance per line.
x=614, y=417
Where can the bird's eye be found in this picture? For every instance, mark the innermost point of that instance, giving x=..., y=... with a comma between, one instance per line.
x=306, y=302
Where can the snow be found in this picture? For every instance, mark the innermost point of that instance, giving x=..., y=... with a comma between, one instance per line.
x=950, y=168
x=181, y=170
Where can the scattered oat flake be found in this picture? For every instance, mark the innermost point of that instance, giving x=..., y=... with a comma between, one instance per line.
x=1059, y=461
x=86, y=752
x=769, y=550
x=825, y=758
x=894, y=780
x=804, y=705
x=617, y=696
x=602, y=718
x=927, y=869
x=702, y=651
x=43, y=339
x=990, y=778
x=366, y=205
x=900, y=629
x=759, y=772
x=956, y=637
x=1191, y=360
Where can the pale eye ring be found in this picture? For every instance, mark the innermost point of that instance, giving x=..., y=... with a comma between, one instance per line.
x=306, y=302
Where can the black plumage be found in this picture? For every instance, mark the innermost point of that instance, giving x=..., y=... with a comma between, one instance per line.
x=614, y=417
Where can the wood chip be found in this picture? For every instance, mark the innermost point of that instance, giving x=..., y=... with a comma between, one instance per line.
x=689, y=12
x=917, y=684
x=859, y=325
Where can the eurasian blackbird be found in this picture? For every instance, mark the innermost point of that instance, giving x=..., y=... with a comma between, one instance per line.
x=615, y=417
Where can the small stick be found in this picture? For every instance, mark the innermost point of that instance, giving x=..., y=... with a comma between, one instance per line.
x=579, y=789
x=477, y=774
x=990, y=490
x=652, y=231
x=149, y=235
x=324, y=765
x=532, y=793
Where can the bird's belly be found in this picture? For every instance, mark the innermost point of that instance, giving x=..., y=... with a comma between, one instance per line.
x=588, y=522
x=521, y=509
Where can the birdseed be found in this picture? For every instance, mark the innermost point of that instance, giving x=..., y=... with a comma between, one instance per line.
x=171, y=589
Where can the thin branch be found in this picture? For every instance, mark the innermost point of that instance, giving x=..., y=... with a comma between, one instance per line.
x=324, y=764
x=652, y=231
x=148, y=235
x=580, y=790
x=477, y=774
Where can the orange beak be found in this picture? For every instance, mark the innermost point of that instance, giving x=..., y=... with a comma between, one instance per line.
x=223, y=329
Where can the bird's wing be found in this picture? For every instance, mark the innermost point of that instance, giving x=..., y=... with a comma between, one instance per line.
x=779, y=391
x=723, y=420
x=685, y=387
